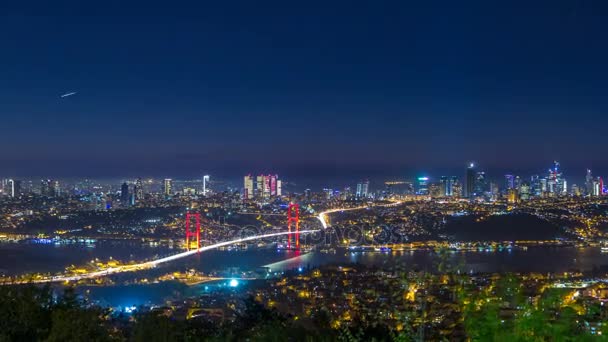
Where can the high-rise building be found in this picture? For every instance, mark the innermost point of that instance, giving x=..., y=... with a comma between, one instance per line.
x=168, y=187
x=423, y=186
x=205, y=181
x=273, y=184
x=45, y=187
x=509, y=182
x=124, y=194
x=481, y=184
x=512, y=195
x=259, y=186
x=9, y=187
x=524, y=191
x=469, y=184
x=138, y=190
x=362, y=189
x=589, y=182
x=535, y=186
x=556, y=184
x=248, y=187
x=55, y=188
x=436, y=190
x=447, y=185
x=279, y=187
x=457, y=189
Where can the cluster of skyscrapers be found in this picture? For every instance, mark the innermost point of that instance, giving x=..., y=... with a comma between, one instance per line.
x=261, y=187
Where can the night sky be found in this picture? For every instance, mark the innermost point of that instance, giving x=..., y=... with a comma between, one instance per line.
x=302, y=88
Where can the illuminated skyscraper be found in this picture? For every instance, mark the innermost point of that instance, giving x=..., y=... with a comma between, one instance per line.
x=205, y=181
x=273, y=184
x=279, y=187
x=138, y=190
x=45, y=187
x=509, y=182
x=535, y=186
x=168, y=187
x=9, y=188
x=481, y=184
x=124, y=194
x=362, y=189
x=259, y=186
x=55, y=188
x=248, y=187
x=589, y=182
x=447, y=185
x=423, y=186
x=469, y=184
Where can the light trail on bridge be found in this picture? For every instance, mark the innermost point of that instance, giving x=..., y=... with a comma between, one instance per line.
x=151, y=263
x=322, y=216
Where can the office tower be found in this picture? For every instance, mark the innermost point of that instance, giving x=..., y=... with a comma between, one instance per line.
x=17, y=188
x=205, y=181
x=589, y=182
x=56, y=189
x=544, y=186
x=423, y=186
x=273, y=184
x=512, y=196
x=248, y=187
x=481, y=184
x=362, y=189
x=447, y=185
x=456, y=189
x=517, y=183
x=524, y=191
x=259, y=186
x=11, y=188
x=575, y=190
x=307, y=194
x=124, y=194
x=596, y=188
x=509, y=182
x=556, y=184
x=469, y=181
x=47, y=188
x=138, y=190
x=167, y=186
x=279, y=187
x=436, y=190
x=535, y=186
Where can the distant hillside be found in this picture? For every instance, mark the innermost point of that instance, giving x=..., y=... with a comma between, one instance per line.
x=502, y=227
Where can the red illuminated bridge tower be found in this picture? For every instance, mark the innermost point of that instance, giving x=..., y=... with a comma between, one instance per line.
x=293, y=220
x=196, y=233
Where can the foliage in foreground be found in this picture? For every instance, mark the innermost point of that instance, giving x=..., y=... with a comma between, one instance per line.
x=29, y=313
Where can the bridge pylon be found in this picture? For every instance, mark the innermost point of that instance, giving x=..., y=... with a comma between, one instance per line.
x=293, y=220
x=196, y=233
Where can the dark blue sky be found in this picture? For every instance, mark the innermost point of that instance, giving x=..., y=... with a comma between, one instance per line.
x=323, y=88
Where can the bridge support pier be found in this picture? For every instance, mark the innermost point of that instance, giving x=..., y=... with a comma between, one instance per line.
x=293, y=220
x=196, y=233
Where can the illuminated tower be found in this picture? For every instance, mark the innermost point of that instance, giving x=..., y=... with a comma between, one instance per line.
x=248, y=187
x=205, y=181
x=196, y=233
x=469, y=184
x=167, y=185
x=139, y=190
x=124, y=194
x=293, y=219
x=362, y=189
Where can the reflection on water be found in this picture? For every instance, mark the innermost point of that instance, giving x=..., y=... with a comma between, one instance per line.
x=17, y=258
